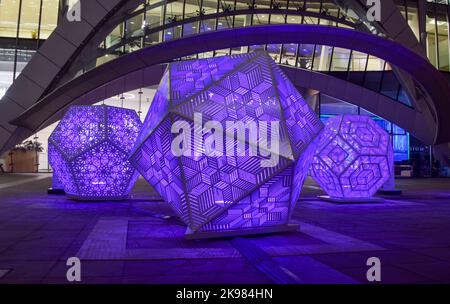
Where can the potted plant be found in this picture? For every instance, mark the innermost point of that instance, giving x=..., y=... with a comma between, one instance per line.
x=24, y=157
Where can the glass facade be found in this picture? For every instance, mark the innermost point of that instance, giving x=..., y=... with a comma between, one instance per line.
x=437, y=34
x=153, y=22
x=330, y=107
x=25, y=24
x=32, y=21
x=156, y=22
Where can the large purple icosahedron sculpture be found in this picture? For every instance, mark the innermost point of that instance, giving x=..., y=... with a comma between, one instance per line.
x=353, y=159
x=218, y=194
x=89, y=152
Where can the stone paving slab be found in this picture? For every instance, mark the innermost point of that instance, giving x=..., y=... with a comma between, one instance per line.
x=108, y=241
x=126, y=242
x=27, y=178
x=333, y=243
x=3, y=272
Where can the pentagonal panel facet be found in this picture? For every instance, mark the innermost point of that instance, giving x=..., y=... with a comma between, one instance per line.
x=123, y=127
x=103, y=171
x=62, y=169
x=79, y=130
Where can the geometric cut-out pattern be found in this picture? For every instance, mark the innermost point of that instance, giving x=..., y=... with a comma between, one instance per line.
x=353, y=158
x=89, y=150
x=225, y=193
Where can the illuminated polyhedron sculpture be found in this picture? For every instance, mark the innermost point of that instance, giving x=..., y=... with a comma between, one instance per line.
x=219, y=193
x=89, y=152
x=353, y=159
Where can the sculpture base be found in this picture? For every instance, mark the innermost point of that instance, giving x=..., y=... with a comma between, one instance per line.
x=97, y=199
x=52, y=191
x=355, y=200
x=390, y=192
x=190, y=235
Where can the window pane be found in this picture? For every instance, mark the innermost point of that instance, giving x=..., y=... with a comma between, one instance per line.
x=340, y=60
x=207, y=25
x=322, y=58
x=224, y=23
x=294, y=19
x=330, y=106
x=9, y=14
x=115, y=36
x=6, y=73
x=375, y=64
x=134, y=26
x=289, y=52
x=29, y=19
x=442, y=26
x=210, y=7
x=390, y=85
x=431, y=37
x=154, y=17
x=413, y=17
x=260, y=19
x=277, y=19
x=305, y=55
x=49, y=17
x=372, y=80
x=242, y=20
x=192, y=8
x=190, y=28
x=174, y=12
x=274, y=51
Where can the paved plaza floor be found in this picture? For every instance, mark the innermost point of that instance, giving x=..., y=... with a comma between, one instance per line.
x=141, y=241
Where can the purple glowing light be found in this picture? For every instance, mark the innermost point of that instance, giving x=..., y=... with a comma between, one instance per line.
x=56, y=182
x=89, y=151
x=226, y=193
x=353, y=158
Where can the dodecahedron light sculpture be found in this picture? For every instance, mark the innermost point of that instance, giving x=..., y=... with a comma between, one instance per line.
x=89, y=150
x=223, y=193
x=354, y=157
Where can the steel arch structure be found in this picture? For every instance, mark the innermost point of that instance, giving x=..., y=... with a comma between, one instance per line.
x=423, y=72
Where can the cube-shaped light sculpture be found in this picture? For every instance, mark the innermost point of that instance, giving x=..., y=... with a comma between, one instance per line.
x=89, y=150
x=354, y=157
x=228, y=192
